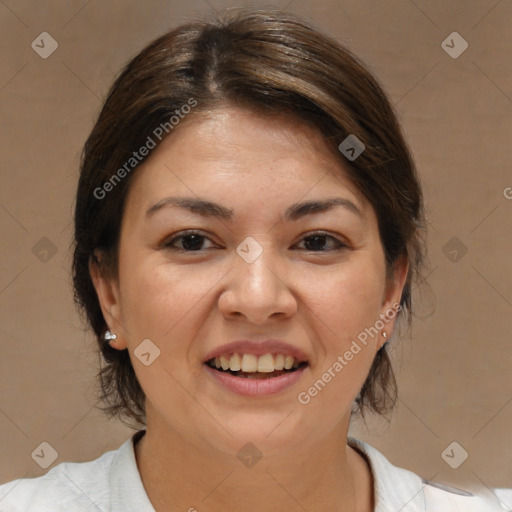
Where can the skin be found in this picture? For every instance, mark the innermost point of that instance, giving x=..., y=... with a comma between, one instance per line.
x=187, y=303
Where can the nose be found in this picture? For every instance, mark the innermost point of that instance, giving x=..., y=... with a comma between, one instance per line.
x=258, y=291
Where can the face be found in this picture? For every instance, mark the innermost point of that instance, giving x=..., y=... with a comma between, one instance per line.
x=253, y=271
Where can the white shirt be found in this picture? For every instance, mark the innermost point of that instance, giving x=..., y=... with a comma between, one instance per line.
x=112, y=483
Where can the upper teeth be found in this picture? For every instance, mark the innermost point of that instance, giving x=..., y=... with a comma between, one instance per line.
x=252, y=363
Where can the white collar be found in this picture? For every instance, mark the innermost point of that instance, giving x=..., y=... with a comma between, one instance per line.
x=395, y=489
x=128, y=492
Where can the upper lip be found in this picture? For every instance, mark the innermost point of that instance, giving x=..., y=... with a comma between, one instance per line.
x=258, y=348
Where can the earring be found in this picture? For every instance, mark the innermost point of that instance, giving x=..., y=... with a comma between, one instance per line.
x=108, y=336
x=384, y=334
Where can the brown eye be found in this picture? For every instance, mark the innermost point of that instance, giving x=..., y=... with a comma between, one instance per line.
x=191, y=241
x=317, y=241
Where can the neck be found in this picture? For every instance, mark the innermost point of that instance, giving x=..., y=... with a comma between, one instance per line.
x=180, y=475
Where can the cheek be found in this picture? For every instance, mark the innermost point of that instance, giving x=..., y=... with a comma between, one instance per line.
x=344, y=308
x=347, y=300
x=156, y=296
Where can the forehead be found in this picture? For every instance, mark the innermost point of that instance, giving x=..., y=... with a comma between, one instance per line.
x=231, y=152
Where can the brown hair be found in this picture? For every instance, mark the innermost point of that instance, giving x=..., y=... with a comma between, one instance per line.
x=272, y=62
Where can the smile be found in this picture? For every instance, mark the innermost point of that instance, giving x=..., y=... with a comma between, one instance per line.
x=251, y=366
x=253, y=375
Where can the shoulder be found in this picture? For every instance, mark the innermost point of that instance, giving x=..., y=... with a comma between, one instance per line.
x=399, y=489
x=70, y=486
x=442, y=498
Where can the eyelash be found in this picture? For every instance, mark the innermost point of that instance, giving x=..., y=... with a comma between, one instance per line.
x=169, y=243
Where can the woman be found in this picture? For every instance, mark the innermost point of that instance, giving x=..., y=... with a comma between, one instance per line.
x=248, y=226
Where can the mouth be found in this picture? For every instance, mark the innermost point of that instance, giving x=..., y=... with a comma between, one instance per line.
x=251, y=366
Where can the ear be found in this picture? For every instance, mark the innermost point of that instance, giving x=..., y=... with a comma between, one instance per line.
x=107, y=289
x=391, y=300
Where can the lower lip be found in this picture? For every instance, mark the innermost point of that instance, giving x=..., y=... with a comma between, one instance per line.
x=256, y=387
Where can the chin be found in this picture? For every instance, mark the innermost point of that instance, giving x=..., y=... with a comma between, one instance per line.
x=270, y=433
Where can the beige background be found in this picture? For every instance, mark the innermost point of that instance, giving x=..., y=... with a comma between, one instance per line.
x=453, y=367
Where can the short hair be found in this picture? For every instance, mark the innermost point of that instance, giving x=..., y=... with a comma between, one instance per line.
x=271, y=62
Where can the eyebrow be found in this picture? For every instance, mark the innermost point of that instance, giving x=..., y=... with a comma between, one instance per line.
x=294, y=212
